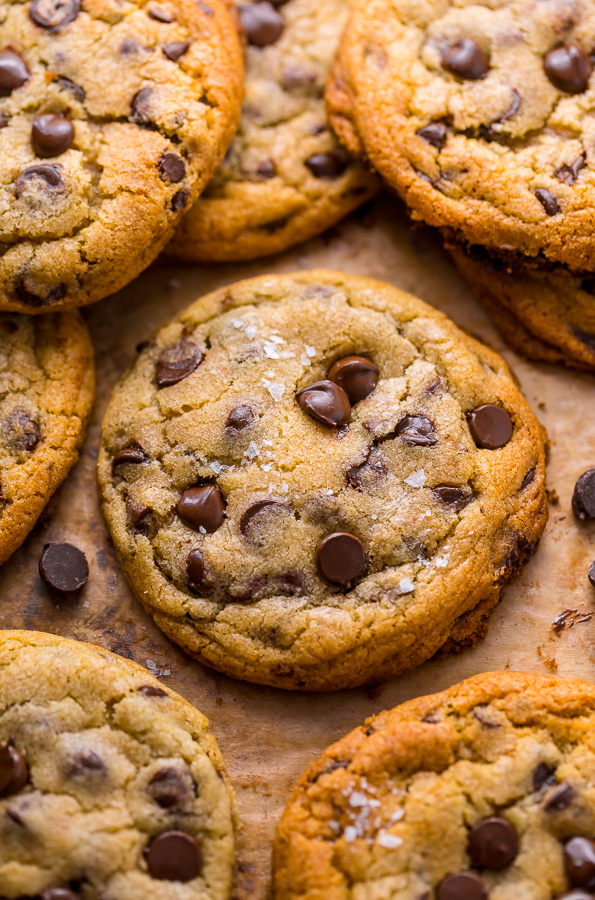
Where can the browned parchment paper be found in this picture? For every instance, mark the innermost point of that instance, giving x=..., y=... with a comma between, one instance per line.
x=268, y=736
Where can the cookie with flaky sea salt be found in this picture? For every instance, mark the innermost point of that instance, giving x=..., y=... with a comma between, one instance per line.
x=286, y=178
x=316, y=480
x=47, y=387
x=480, y=115
x=111, y=785
x=482, y=791
x=113, y=117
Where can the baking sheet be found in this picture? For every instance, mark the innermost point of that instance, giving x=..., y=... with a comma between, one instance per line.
x=268, y=736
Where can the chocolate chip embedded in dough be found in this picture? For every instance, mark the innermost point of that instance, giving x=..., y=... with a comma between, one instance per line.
x=543, y=776
x=329, y=165
x=452, y=496
x=159, y=14
x=357, y=375
x=63, y=567
x=170, y=788
x=326, y=402
x=171, y=167
x=196, y=576
x=175, y=50
x=261, y=22
x=416, y=431
x=177, y=362
x=560, y=798
x=435, y=134
x=462, y=886
x=22, y=431
x=174, y=856
x=13, y=72
x=568, y=68
x=54, y=14
x=548, y=201
x=138, y=513
x=255, y=510
x=202, y=507
x=240, y=417
x=493, y=844
x=579, y=862
x=133, y=455
x=490, y=426
x=340, y=557
x=14, y=773
x=140, y=108
x=151, y=690
x=569, y=174
x=583, y=498
x=466, y=60
x=87, y=764
x=49, y=175
x=179, y=200
x=51, y=135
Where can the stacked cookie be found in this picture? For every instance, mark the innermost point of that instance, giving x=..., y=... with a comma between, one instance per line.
x=480, y=117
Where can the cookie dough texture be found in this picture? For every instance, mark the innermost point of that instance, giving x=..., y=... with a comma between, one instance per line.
x=153, y=90
x=433, y=571
x=387, y=811
x=265, y=198
x=47, y=387
x=114, y=760
x=508, y=162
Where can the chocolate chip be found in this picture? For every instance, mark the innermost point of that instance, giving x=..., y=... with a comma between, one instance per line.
x=493, y=844
x=294, y=76
x=140, y=108
x=151, y=690
x=23, y=433
x=266, y=169
x=548, y=201
x=54, y=14
x=14, y=774
x=568, y=68
x=133, y=455
x=579, y=862
x=569, y=174
x=176, y=49
x=196, y=574
x=76, y=90
x=169, y=788
x=3, y=120
x=462, y=886
x=291, y=581
x=261, y=22
x=466, y=59
x=340, y=557
x=26, y=296
x=542, y=776
x=454, y=497
x=560, y=798
x=202, y=507
x=129, y=46
x=13, y=72
x=416, y=431
x=591, y=575
x=356, y=375
x=59, y=893
x=86, y=765
x=63, y=567
x=528, y=479
x=177, y=362
x=583, y=498
x=138, y=513
x=51, y=135
x=161, y=15
x=326, y=402
x=253, y=511
x=490, y=426
x=435, y=134
x=171, y=167
x=362, y=477
x=50, y=175
x=328, y=165
x=239, y=418
x=174, y=856
x=179, y=200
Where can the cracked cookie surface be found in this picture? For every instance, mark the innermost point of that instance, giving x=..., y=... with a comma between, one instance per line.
x=111, y=784
x=285, y=178
x=47, y=387
x=296, y=477
x=113, y=117
x=484, y=790
x=480, y=115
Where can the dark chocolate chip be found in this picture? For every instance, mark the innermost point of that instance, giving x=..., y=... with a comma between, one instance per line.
x=568, y=68
x=340, y=557
x=253, y=511
x=171, y=167
x=51, y=135
x=202, y=507
x=161, y=15
x=129, y=46
x=174, y=856
x=493, y=844
x=176, y=49
x=151, y=690
x=356, y=375
x=560, y=798
x=435, y=134
x=63, y=567
x=14, y=774
x=326, y=402
x=59, y=893
x=26, y=296
x=133, y=455
x=23, y=432
x=239, y=418
x=462, y=886
x=542, y=776
x=454, y=497
x=169, y=788
x=569, y=174
x=416, y=431
x=196, y=570
x=138, y=513
x=54, y=14
x=548, y=201
x=579, y=862
x=266, y=169
x=87, y=765
x=515, y=105
x=3, y=120
x=490, y=426
x=294, y=76
x=328, y=165
x=140, y=108
x=583, y=498
x=76, y=90
x=291, y=581
x=13, y=72
x=179, y=200
x=50, y=175
x=261, y=22
x=177, y=362
x=528, y=479
x=466, y=60
x=362, y=477
x=591, y=575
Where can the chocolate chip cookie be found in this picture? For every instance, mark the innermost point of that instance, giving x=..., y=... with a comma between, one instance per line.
x=285, y=177
x=112, y=119
x=111, y=786
x=480, y=115
x=47, y=386
x=484, y=790
x=301, y=472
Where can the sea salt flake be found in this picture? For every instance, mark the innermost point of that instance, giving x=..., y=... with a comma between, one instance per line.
x=304, y=360
x=374, y=516
x=270, y=350
x=217, y=467
x=310, y=351
x=390, y=841
x=406, y=586
x=441, y=561
x=252, y=452
x=202, y=529
x=286, y=354
x=350, y=833
x=154, y=669
x=276, y=339
x=358, y=799
x=250, y=332
x=267, y=443
x=266, y=467
x=237, y=323
x=275, y=389
x=284, y=487
x=417, y=480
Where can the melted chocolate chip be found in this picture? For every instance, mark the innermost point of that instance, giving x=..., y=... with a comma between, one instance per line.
x=151, y=690
x=568, y=68
x=462, y=886
x=560, y=798
x=328, y=165
x=63, y=567
x=569, y=174
x=175, y=50
x=583, y=498
x=528, y=479
x=140, y=108
x=202, y=507
x=454, y=497
x=133, y=455
x=490, y=426
x=138, y=513
x=340, y=558
x=261, y=22
x=174, y=856
x=362, y=477
x=493, y=844
x=239, y=418
x=22, y=431
x=253, y=511
x=169, y=788
x=195, y=570
x=177, y=362
x=51, y=135
x=579, y=862
x=416, y=431
x=179, y=200
x=87, y=765
x=466, y=60
x=76, y=90
x=13, y=72
x=14, y=774
x=49, y=175
x=54, y=14
x=548, y=201
x=542, y=776
x=171, y=167
x=326, y=402
x=161, y=15
x=356, y=375
x=435, y=134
